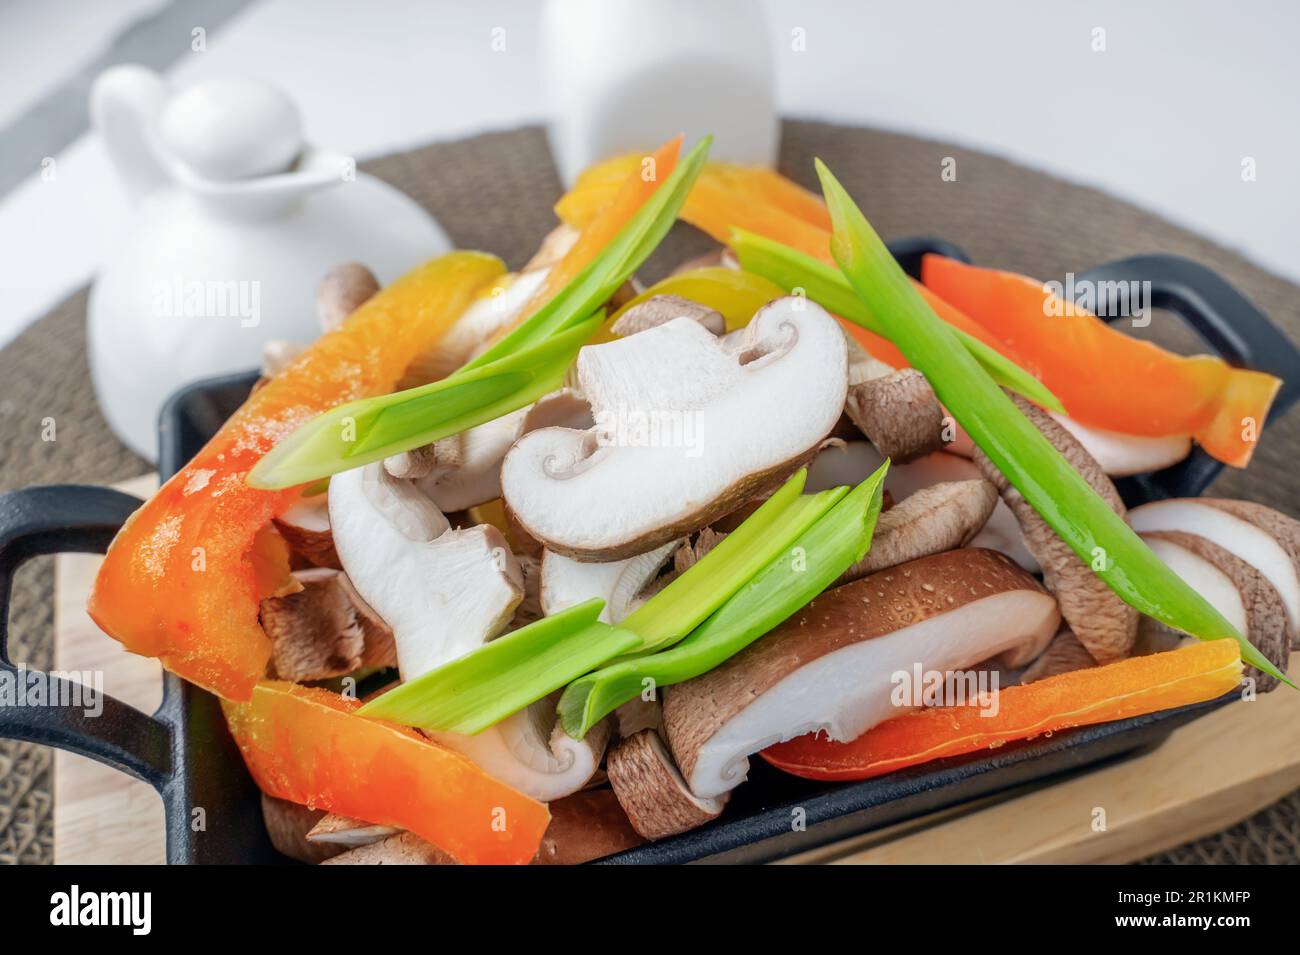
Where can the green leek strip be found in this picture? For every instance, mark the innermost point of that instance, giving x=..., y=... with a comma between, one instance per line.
x=481, y=688
x=360, y=432
x=1098, y=535
x=792, y=269
x=593, y=286
x=680, y=607
x=789, y=581
x=475, y=691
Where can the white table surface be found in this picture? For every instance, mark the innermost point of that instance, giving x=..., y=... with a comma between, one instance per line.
x=1163, y=117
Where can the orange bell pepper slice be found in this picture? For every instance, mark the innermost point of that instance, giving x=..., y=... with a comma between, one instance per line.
x=305, y=744
x=607, y=221
x=1132, y=687
x=183, y=578
x=1106, y=378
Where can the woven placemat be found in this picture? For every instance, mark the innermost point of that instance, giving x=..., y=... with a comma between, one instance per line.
x=493, y=192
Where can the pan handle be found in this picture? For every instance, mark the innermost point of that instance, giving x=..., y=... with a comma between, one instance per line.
x=1229, y=323
x=71, y=518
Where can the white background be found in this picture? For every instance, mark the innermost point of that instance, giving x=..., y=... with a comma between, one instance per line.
x=1164, y=117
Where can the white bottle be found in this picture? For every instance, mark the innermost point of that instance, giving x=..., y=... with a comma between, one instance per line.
x=626, y=75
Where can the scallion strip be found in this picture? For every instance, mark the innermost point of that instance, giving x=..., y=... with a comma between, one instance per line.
x=475, y=691
x=1068, y=504
x=615, y=264
x=825, y=285
x=838, y=540
x=680, y=607
x=360, y=432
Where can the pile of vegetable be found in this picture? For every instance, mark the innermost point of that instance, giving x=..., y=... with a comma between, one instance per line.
x=524, y=567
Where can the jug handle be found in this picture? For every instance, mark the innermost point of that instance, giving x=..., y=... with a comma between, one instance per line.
x=124, y=103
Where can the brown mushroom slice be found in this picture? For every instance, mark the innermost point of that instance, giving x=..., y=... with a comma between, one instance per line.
x=347, y=832
x=1265, y=624
x=1283, y=528
x=857, y=460
x=287, y=825
x=651, y=789
x=658, y=309
x=305, y=527
x=934, y=519
x=586, y=826
x=314, y=631
x=1099, y=618
x=344, y=289
x=1122, y=455
x=833, y=665
x=1255, y=543
x=405, y=848
x=1064, y=654
x=896, y=410
x=735, y=420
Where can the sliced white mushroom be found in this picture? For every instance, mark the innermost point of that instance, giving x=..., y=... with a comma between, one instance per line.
x=660, y=309
x=443, y=592
x=651, y=790
x=1237, y=535
x=477, y=476
x=834, y=666
x=728, y=423
x=1206, y=579
x=567, y=582
x=1121, y=455
x=531, y=752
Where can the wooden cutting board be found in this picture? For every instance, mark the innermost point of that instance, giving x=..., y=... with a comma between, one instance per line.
x=1208, y=776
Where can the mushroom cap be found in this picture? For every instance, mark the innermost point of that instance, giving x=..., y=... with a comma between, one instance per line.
x=687, y=428
x=1266, y=623
x=934, y=519
x=1104, y=623
x=659, y=309
x=899, y=413
x=1240, y=536
x=567, y=582
x=832, y=665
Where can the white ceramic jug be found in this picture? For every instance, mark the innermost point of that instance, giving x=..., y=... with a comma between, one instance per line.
x=623, y=75
x=238, y=222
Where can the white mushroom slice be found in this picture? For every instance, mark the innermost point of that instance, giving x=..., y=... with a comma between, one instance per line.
x=857, y=460
x=345, y=831
x=567, y=582
x=442, y=592
x=1121, y=455
x=934, y=519
x=1104, y=623
x=477, y=324
x=477, y=478
x=659, y=309
x=305, y=527
x=565, y=408
x=834, y=665
x=651, y=789
x=1206, y=579
x=727, y=424
x=530, y=751
x=1265, y=623
x=1236, y=535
